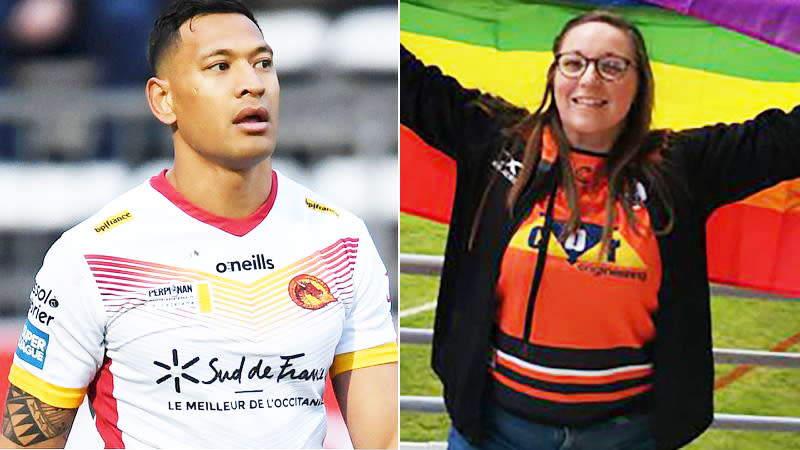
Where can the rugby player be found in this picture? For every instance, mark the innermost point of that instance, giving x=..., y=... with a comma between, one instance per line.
x=205, y=307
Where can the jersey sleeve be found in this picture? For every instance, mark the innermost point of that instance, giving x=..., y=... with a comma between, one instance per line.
x=61, y=345
x=368, y=338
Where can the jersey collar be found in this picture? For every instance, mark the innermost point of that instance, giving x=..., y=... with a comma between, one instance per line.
x=235, y=226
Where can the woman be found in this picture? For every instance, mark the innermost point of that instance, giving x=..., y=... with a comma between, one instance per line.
x=573, y=246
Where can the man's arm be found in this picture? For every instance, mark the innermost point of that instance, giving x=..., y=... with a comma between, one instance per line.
x=31, y=423
x=368, y=399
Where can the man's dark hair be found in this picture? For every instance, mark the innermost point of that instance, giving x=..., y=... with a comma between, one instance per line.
x=165, y=30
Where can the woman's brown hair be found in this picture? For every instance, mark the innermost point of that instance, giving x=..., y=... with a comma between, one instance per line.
x=636, y=151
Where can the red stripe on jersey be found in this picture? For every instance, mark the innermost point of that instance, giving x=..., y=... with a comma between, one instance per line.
x=236, y=227
x=138, y=274
x=101, y=394
x=94, y=260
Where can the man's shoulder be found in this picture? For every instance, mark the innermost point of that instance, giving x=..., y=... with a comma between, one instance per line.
x=72, y=246
x=313, y=207
x=118, y=212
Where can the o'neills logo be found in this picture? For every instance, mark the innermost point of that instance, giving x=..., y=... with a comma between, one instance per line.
x=310, y=292
x=256, y=262
x=320, y=207
x=113, y=221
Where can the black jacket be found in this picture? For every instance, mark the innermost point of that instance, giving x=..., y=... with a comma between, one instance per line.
x=710, y=166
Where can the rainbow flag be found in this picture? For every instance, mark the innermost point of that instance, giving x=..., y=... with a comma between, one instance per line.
x=705, y=73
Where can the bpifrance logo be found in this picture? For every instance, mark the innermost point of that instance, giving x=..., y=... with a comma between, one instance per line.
x=32, y=345
x=320, y=207
x=113, y=221
x=310, y=292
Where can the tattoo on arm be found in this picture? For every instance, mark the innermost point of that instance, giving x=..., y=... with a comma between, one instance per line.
x=28, y=420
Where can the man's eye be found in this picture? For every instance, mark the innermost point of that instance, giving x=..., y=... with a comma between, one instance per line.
x=219, y=67
x=264, y=64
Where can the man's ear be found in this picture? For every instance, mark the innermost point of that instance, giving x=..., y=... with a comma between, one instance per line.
x=159, y=98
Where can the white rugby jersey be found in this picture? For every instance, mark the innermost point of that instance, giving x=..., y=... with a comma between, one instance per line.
x=192, y=330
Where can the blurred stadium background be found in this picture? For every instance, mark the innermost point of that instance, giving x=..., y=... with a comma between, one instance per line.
x=75, y=130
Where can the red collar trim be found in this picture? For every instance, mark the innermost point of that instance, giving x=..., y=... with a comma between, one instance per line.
x=235, y=226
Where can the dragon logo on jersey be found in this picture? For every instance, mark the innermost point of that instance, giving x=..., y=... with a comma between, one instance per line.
x=310, y=292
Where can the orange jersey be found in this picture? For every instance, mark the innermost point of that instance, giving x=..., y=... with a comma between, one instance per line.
x=576, y=349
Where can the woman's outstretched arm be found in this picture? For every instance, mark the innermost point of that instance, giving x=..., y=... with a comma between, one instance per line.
x=726, y=163
x=440, y=111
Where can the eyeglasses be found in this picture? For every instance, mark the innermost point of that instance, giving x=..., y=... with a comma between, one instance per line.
x=610, y=68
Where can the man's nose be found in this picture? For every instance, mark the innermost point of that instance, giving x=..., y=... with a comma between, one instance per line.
x=250, y=83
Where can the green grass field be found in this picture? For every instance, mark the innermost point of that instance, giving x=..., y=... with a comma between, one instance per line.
x=737, y=323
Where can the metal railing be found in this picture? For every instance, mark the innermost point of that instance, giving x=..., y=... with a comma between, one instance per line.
x=721, y=355
x=431, y=265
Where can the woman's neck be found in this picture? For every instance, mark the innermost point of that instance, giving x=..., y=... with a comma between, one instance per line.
x=598, y=141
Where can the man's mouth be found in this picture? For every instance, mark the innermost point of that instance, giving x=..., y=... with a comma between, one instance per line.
x=252, y=119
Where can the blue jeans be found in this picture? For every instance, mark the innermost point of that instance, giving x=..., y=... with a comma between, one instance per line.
x=506, y=431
